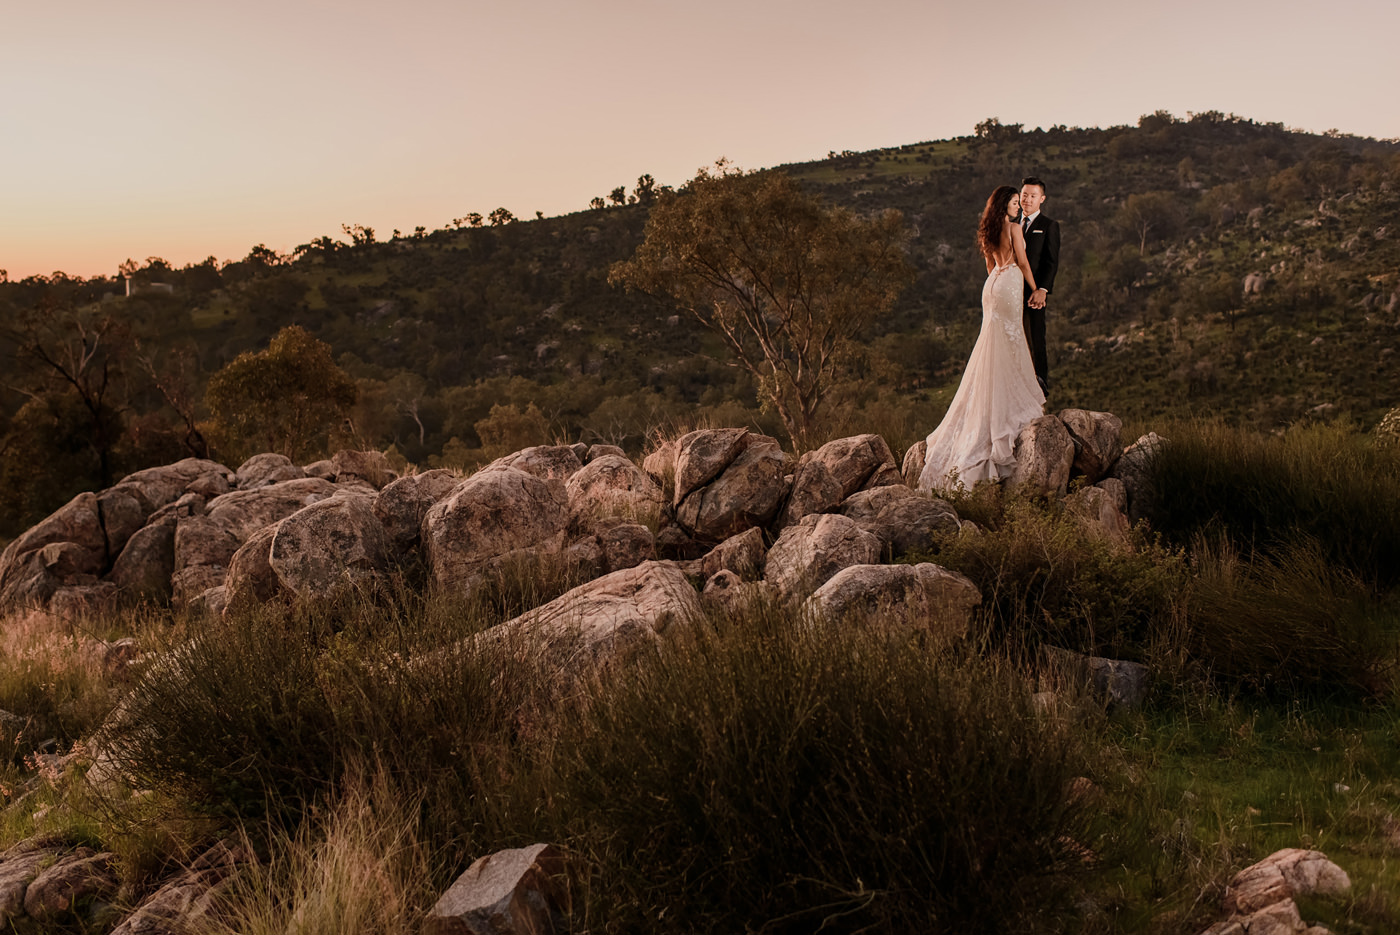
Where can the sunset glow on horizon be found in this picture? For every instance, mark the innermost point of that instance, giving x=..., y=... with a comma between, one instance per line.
x=183, y=131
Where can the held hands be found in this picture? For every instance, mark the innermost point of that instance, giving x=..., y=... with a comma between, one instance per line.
x=1037, y=299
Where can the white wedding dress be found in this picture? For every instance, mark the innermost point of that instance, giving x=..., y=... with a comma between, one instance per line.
x=998, y=395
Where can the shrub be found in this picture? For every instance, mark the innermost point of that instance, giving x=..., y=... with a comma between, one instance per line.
x=258, y=715
x=1289, y=623
x=1322, y=483
x=769, y=777
x=1045, y=578
x=360, y=868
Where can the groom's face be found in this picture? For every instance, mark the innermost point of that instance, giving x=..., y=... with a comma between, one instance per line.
x=1032, y=196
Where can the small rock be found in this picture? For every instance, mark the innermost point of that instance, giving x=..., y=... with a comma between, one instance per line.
x=742, y=554
x=514, y=892
x=373, y=467
x=598, y=451
x=626, y=545
x=264, y=470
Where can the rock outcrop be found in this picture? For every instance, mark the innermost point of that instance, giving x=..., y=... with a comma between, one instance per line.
x=924, y=597
x=605, y=619
x=807, y=554
x=496, y=513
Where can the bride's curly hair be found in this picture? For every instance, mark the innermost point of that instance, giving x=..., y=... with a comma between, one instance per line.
x=993, y=219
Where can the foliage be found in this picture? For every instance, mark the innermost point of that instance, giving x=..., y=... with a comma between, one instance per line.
x=283, y=399
x=1047, y=577
x=360, y=866
x=766, y=776
x=1291, y=624
x=1322, y=485
x=786, y=283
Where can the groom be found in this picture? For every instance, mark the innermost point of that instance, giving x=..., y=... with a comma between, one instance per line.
x=1043, y=255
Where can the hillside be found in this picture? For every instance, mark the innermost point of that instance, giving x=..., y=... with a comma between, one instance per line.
x=1163, y=223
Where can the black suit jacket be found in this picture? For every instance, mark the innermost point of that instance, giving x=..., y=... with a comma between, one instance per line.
x=1043, y=252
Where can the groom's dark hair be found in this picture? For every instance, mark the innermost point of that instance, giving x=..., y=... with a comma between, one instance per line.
x=1033, y=180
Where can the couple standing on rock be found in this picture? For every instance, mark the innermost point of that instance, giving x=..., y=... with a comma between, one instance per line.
x=1006, y=380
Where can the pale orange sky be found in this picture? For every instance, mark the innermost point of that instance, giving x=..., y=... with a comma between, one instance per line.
x=189, y=129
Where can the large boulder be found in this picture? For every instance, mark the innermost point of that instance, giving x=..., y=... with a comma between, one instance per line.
x=702, y=455
x=144, y=567
x=329, y=546
x=747, y=493
x=1097, y=440
x=514, y=892
x=251, y=578
x=266, y=469
x=605, y=619
x=1134, y=469
x=373, y=467
x=490, y=515
x=859, y=462
x=244, y=512
x=68, y=546
x=903, y=519
x=922, y=597
x=402, y=504
x=1044, y=454
x=549, y=462
x=612, y=487
x=809, y=553
x=814, y=490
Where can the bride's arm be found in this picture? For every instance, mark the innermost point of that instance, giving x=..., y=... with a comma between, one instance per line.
x=990, y=267
x=1018, y=247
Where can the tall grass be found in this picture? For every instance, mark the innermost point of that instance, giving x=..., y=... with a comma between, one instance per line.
x=1290, y=622
x=1045, y=578
x=1324, y=483
x=359, y=866
x=751, y=773
x=764, y=776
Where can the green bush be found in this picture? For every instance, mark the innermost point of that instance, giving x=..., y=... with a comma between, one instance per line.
x=1045, y=578
x=257, y=716
x=769, y=777
x=1290, y=623
x=1323, y=483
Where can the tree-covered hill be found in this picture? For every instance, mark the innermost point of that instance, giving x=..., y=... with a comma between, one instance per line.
x=480, y=335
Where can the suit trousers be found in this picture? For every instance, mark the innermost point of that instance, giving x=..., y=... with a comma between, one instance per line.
x=1034, y=323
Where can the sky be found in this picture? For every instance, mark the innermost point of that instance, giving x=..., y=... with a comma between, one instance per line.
x=184, y=129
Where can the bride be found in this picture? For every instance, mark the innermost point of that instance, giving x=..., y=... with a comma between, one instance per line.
x=999, y=393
